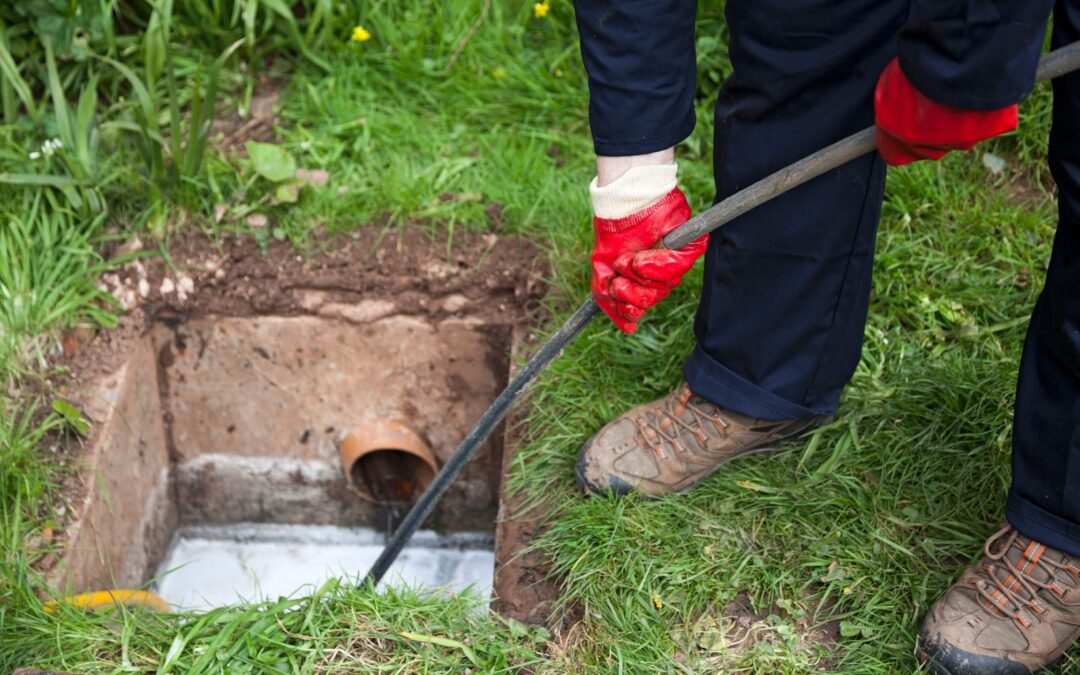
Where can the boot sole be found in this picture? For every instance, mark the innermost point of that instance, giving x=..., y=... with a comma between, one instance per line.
x=620, y=487
x=927, y=654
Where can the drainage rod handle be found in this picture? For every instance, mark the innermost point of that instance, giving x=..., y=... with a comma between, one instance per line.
x=1055, y=64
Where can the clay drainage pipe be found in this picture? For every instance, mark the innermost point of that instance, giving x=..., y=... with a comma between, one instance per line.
x=387, y=462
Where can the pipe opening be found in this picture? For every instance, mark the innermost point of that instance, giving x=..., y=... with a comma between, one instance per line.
x=387, y=462
x=391, y=475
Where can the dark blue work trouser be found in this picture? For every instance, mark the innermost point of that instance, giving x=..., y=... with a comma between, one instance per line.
x=780, y=324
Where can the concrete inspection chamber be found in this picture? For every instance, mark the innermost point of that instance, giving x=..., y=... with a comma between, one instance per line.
x=230, y=458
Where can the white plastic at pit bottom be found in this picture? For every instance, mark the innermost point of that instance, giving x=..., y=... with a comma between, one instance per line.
x=211, y=566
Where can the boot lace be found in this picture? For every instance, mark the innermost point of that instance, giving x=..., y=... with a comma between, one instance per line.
x=1008, y=587
x=666, y=423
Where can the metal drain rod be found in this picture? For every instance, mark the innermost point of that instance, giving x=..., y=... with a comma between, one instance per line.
x=1056, y=63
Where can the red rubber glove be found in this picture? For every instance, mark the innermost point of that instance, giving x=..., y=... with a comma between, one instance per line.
x=911, y=127
x=629, y=276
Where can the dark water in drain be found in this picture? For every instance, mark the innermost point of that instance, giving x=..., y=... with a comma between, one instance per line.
x=391, y=479
x=390, y=476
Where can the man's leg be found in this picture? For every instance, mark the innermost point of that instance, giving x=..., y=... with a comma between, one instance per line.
x=1044, y=501
x=1018, y=608
x=781, y=318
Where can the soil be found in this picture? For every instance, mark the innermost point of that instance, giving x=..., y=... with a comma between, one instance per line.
x=230, y=131
x=524, y=587
x=497, y=279
x=725, y=638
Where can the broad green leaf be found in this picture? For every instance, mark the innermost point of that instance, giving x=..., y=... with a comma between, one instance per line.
x=272, y=162
x=288, y=193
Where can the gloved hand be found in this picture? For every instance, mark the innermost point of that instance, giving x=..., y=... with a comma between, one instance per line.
x=629, y=276
x=911, y=127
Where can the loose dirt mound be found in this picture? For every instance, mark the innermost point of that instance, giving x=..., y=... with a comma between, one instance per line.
x=480, y=275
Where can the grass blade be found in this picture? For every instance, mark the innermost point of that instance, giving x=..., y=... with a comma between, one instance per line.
x=15, y=81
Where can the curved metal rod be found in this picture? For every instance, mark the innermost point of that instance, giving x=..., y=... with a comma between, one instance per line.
x=1054, y=64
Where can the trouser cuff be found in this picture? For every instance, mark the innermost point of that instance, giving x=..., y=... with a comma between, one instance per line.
x=709, y=379
x=1041, y=525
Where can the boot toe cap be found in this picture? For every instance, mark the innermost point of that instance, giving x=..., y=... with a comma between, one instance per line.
x=943, y=658
x=596, y=469
x=599, y=483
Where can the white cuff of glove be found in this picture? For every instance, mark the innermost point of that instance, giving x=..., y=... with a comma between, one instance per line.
x=639, y=187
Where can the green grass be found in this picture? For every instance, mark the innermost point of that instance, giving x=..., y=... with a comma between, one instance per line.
x=337, y=629
x=873, y=517
x=866, y=523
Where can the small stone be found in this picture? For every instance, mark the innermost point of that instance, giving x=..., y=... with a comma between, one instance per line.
x=257, y=220
x=132, y=245
x=167, y=286
x=439, y=271
x=184, y=287
x=454, y=303
x=994, y=163
x=364, y=311
x=144, y=288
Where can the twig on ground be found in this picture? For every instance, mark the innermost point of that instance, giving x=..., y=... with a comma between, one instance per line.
x=468, y=36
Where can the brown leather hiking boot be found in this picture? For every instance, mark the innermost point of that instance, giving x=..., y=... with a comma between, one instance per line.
x=672, y=444
x=1016, y=611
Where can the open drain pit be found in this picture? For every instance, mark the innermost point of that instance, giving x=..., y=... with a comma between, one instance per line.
x=273, y=452
x=295, y=409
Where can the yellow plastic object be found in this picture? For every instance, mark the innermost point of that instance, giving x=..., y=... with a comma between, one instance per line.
x=119, y=596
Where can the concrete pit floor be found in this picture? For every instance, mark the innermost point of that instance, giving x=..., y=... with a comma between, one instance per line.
x=212, y=566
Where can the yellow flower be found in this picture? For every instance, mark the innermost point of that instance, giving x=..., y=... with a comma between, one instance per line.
x=498, y=73
x=541, y=9
x=360, y=34
x=847, y=590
